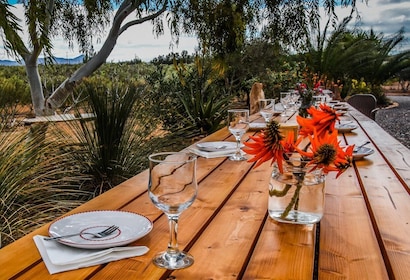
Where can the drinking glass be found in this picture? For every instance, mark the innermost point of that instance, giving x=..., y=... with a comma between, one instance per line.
x=285, y=101
x=172, y=187
x=267, y=108
x=238, y=124
x=317, y=100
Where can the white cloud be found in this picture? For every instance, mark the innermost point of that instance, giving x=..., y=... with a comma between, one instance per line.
x=383, y=16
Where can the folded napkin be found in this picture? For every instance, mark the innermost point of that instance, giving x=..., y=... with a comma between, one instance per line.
x=59, y=257
x=207, y=154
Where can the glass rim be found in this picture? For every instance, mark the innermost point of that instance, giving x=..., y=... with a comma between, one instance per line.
x=191, y=157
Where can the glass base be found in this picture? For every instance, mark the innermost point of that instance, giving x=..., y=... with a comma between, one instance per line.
x=296, y=217
x=173, y=261
x=236, y=157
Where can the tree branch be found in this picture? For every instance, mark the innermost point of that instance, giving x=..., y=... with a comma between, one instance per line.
x=142, y=20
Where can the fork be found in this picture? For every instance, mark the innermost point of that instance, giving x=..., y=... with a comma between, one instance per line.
x=356, y=149
x=108, y=231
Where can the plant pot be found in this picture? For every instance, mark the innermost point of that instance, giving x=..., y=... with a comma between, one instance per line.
x=298, y=195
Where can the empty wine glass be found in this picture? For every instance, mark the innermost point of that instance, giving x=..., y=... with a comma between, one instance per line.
x=284, y=100
x=238, y=124
x=172, y=187
x=267, y=108
x=317, y=100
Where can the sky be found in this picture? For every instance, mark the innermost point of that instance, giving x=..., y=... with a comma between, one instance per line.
x=384, y=16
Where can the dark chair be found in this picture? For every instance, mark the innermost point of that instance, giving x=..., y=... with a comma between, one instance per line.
x=364, y=103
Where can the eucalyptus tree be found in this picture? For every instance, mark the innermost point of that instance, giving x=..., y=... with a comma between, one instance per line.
x=219, y=24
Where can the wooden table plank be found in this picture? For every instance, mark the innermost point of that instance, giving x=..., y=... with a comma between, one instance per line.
x=212, y=194
x=283, y=251
x=396, y=154
x=386, y=191
x=389, y=205
x=348, y=246
x=223, y=246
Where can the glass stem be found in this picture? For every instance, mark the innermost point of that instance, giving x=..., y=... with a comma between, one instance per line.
x=238, y=146
x=173, y=230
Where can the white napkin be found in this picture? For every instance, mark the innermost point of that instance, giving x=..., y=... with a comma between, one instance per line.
x=205, y=154
x=59, y=257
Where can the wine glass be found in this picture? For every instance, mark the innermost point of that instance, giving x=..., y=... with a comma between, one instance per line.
x=317, y=100
x=267, y=108
x=172, y=187
x=285, y=101
x=238, y=124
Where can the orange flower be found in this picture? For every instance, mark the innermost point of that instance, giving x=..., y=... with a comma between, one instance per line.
x=344, y=159
x=322, y=120
x=326, y=153
x=267, y=145
x=289, y=144
x=323, y=150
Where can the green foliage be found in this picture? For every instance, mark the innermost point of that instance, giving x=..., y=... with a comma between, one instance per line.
x=191, y=100
x=359, y=87
x=359, y=55
x=113, y=147
x=14, y=86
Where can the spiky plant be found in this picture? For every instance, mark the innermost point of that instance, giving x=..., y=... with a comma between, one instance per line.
x=37, y=182
x=115, y=144
x=192, y=100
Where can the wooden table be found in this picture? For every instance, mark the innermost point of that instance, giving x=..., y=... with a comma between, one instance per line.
x=364, y=234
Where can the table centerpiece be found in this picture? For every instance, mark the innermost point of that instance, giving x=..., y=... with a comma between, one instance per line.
x=296, y=187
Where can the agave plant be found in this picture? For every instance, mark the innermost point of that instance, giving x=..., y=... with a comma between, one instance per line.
x=192, y=100
x=114, y=145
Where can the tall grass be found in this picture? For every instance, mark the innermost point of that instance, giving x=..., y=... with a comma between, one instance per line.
x=37, y=182
x=115, y=144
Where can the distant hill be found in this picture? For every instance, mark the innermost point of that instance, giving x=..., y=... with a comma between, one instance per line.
x=58, y=60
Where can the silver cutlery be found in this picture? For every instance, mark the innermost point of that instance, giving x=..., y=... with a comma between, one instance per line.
x=356, y=149
x=344, y=124
x=108, y=231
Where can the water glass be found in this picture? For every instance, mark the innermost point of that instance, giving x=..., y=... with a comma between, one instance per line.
x=172, y=188
x=285, y=100
x=238, y=124
x=267, y=108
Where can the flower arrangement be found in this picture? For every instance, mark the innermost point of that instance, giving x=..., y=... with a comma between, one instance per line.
x=320, y=148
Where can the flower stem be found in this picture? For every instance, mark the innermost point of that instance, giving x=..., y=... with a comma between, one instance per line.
x=280, y=193
x=293, y=201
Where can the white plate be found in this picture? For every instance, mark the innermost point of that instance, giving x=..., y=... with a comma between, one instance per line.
x=362, y=152
x=342, y=128
x=340, y=107
x=132, y=226
x=216, y=146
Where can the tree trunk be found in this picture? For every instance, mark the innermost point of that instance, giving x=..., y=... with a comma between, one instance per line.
x=58, y=97
x=36, y=88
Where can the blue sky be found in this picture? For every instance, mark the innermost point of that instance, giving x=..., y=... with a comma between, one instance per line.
x=386, y=16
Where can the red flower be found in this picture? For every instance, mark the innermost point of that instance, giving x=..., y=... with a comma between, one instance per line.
x=267, y=145
x=323, y=150
x=326, y=153
x=322, y=120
